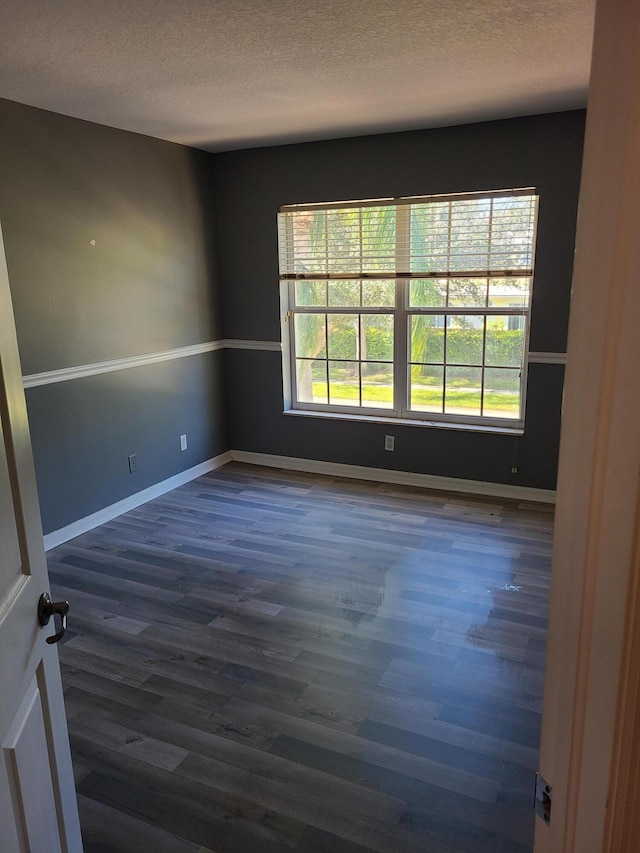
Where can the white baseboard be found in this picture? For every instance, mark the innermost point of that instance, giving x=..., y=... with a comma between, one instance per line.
x=403, y=478
x=311, y=466
x=83, y=525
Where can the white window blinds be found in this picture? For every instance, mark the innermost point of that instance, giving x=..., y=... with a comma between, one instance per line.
x=434, y=236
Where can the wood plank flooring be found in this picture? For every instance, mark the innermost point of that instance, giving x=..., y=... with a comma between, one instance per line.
x=265, y=661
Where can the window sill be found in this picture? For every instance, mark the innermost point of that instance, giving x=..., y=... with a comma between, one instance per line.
x=378, y=419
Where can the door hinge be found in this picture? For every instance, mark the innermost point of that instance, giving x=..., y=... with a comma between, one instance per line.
x=288, y=316
x=542, y=802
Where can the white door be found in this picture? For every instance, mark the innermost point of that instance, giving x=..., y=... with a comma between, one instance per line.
x=38, y=809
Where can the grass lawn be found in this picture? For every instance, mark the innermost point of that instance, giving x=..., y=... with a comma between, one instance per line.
x=431, y=397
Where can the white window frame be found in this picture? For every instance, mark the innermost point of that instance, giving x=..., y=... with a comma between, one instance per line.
x=402, y=312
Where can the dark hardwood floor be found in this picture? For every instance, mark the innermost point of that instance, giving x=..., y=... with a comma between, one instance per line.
x=264, y=661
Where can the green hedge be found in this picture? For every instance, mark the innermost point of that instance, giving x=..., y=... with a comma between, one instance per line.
x=343, y=339
x=504, y=346
x=464, y=346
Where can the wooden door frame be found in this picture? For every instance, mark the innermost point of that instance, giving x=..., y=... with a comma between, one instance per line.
x=622, y=826
x=593, y=666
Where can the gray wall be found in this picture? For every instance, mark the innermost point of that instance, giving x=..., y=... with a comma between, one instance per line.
x=148, y=285
x=174, y=265
x=540, y=151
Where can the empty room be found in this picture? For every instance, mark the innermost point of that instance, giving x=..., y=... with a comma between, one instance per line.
x=285, y=311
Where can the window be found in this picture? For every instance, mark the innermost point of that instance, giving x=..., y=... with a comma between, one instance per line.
x=413, y=308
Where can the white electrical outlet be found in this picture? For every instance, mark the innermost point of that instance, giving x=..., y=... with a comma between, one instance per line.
x=389, y=442
x=183, y=442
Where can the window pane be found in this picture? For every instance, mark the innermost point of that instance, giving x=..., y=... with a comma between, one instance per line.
x=344, y=293
x=515, y=322
x=468, y=292
x=376, y=337
x=473, y=234
x=501, y=393
x=504, y=343
x=469, y=240
x=427, y=338
x=512, y=232
x=343, y=335
x=344, y=383
x=311, y=381
x=377, y=385
x=509, y=292
x=430, y=237
x=379, y=294
x=310, y=335
x=428, y=292
x=426, y=388
x=462, y=393
x=309, y=242
x=343, y=240
x=379, y=239
x=311, y=293
x=464, y=339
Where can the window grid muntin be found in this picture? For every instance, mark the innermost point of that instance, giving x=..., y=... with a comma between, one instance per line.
x=405, y=408
x=408, y=411
x=327, y=358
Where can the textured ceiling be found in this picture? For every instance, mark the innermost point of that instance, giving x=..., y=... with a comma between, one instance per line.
x=222, y=74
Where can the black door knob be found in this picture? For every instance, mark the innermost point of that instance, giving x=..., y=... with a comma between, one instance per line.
x=47, y=609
